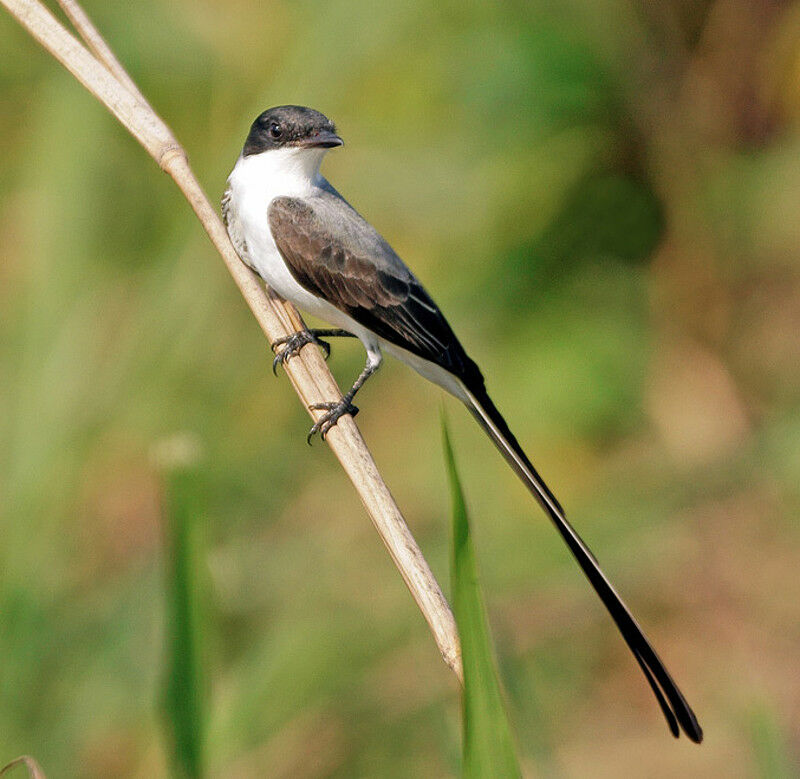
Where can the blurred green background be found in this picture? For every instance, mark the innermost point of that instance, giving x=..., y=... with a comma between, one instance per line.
x=604, y=198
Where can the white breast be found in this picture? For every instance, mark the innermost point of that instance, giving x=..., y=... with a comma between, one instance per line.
x=254, y=182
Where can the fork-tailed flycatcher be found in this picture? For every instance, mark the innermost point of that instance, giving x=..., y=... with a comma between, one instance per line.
x=307, y=243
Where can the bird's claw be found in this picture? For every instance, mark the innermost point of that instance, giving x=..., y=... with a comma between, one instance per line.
x=327, y=421
x=293, y=343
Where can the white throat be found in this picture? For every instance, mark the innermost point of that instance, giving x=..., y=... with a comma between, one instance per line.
x=290, y=172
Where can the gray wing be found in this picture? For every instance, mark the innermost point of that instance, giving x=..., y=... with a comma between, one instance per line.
x=337, y=255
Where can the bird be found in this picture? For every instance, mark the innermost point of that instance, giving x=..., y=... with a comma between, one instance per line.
x=307, y=243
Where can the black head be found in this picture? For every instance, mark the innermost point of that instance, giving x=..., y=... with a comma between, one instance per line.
x=290, y=125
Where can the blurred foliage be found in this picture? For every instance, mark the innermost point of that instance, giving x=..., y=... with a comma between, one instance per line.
x=487, y=745
x=602, y=196
x=773, y=752
x=184, y=559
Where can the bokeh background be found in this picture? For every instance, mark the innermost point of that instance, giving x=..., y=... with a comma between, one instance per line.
x=603, y=196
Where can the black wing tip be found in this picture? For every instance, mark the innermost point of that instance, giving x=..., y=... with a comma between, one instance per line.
x=688, y=724
x=673, y=725
x=693, y=730
x=676, y=710
x=674, y=706
x=678, y=713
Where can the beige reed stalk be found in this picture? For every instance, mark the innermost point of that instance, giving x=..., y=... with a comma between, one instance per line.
x=96, y=67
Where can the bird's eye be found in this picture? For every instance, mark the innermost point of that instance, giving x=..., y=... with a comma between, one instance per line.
x=275, y=130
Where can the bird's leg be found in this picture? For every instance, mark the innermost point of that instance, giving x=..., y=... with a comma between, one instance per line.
x=345, y=405
x=296, y=341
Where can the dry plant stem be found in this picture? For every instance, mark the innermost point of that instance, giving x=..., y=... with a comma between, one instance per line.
x=34, y=771
x=102, y=74
x=94, y=41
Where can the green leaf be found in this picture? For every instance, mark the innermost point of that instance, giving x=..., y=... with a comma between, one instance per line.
x=488, y=748
x=183, y=697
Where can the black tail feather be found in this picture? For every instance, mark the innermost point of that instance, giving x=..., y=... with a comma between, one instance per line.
x=674, y=706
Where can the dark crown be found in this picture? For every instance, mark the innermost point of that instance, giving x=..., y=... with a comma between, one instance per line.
x=290, y=125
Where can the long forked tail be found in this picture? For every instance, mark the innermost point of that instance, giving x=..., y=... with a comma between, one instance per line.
x=676, y=710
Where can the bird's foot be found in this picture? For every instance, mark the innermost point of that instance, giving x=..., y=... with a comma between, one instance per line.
x=292, y=344
x=327, y=421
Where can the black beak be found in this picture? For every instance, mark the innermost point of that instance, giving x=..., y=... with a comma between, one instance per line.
x=325, y=139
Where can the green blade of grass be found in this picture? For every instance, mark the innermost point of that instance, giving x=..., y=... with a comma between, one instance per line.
x=183, y=690
x=488, y=747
